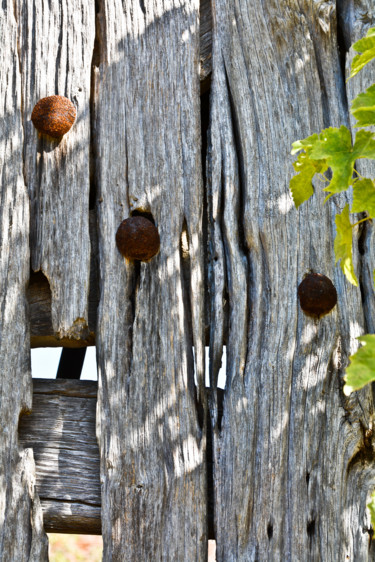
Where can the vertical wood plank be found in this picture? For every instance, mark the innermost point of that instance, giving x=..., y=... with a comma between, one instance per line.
x=56, y=48
x=150, y=415
x=21, y=533
x=356, y=19
x=288, y=478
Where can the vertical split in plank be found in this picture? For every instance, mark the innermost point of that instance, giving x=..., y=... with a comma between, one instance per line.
x=56, y=48
x=286, y=469
x=21, y=530
x=150, y=414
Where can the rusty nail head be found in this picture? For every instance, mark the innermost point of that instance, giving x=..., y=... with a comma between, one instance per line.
x=54, y=116
x=137, y=238
x=317, y=294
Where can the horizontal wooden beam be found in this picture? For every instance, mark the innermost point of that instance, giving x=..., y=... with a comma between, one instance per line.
x=61, y=431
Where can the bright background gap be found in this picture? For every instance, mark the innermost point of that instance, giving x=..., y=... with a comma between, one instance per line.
x=45, y=361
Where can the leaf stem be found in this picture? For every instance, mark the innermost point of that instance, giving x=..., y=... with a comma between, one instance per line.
x=362, y=220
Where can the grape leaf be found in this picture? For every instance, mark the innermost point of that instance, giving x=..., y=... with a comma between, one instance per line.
x=301, y=184
x=363, y=108
x=335, y=146
x=304, y=144
x=366, y=46
x=332, y=148
x=364, y=197
x=361, y=370
x=343, y=245
x=371, y=507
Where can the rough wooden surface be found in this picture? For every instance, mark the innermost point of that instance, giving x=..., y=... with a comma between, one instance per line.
x=61, y=432
x=357, y=18
x=21, y=530
x=150, y=415
x=293, y=457
x=56, y=46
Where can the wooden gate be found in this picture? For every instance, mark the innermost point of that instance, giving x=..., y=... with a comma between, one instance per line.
x=185, y=115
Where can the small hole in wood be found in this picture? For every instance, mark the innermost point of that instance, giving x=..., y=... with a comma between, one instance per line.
x=311, y=528
x=269, y=530
x=145, y=214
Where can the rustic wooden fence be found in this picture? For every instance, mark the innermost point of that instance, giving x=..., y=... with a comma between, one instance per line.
x=280, y=464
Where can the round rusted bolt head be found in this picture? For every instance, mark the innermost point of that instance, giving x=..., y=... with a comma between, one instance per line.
x=138, y=239
x=54, y=116
x=317, y=294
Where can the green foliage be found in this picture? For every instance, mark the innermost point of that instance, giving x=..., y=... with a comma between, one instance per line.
x=363, y=108
x=332, y=148
x=364, y=197
x=365, y=46
x=301, y=184
x=343, y=245
x=361, y=370
x=371, y=507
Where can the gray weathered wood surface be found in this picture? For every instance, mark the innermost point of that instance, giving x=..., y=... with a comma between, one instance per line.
x=293, y=457
x=56, y=46
x=150, y=416
x=61, y=432
x=22, y=537
x=359, y=17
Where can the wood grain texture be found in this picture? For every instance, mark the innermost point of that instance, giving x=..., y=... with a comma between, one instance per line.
x=150, y=415
x=56, y=47
x=205, y=53
x=21, y=531
x=61, y=432
x=292, y=466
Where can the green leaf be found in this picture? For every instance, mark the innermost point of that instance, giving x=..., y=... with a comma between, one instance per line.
x=371, y=507
x=364, y=146
x=343, y=245
x=335, y=146
x=363, y=108
x=366, y=46
x=304, y=144
x=361, y=370
x=331, y=148
x=364, y=197
x=301, y=184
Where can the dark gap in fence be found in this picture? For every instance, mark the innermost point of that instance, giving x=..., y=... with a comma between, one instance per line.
x=220, y=407
x=71, y=363
x=210, y=482
x=205, y=121
x=95, y=62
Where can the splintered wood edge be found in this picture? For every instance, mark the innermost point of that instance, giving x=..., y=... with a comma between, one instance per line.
x=63, y=510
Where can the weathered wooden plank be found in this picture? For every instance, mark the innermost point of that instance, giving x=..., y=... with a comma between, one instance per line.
x=150, y=419
x=288, y=447
x=21, y=531
x=357, y=18
x=56, y=44
x=61, y=431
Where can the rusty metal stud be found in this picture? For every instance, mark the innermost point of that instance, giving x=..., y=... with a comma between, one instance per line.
x=54, y=116
x=138, y=239
x=317, y=294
